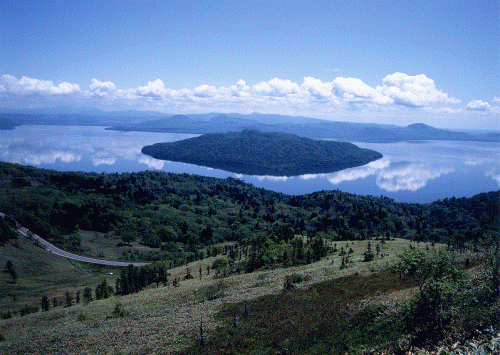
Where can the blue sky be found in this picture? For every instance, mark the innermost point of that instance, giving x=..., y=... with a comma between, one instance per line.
x=395, y=62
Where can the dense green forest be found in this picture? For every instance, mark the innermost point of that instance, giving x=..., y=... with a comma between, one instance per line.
x=180, y=214
x=256, y=153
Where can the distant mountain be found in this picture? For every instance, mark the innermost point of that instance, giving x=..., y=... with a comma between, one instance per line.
x=148, y=121
x=253, y=152
x=7, y=122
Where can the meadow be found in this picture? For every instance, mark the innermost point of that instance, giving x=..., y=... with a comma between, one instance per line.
x=166, y=319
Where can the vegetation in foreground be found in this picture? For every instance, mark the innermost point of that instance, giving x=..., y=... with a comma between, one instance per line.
x=181, y=218
x=343, y=315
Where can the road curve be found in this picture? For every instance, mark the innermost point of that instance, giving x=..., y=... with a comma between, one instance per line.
x=65, y=254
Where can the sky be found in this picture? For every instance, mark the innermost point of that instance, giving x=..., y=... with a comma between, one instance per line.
x=395, y=62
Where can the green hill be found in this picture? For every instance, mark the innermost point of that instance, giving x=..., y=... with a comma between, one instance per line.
x=256, y=153
x=318, y=260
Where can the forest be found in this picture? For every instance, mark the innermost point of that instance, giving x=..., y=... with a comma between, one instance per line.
x=179, y=214
x=253, y=152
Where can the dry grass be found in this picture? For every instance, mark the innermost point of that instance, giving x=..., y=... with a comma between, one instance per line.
x=165, y=319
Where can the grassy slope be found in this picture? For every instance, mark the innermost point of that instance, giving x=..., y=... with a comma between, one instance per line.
x=160, y=319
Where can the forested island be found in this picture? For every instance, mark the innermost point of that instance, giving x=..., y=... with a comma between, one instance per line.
x=253, y=152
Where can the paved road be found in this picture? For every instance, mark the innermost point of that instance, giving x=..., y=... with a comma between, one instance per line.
x=60, y=252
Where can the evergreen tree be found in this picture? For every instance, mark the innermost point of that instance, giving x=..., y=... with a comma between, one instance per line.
x=69, y=299
x=45, y=303
x=87, y=295
x=9, y=269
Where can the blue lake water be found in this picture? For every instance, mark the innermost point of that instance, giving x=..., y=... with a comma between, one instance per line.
x=409, y=171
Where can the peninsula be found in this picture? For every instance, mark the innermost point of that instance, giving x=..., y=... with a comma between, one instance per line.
x=252, y=152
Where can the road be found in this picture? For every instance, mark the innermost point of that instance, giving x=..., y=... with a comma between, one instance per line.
x=65, y=254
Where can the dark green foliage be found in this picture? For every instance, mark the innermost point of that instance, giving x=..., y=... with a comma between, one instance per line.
x=103, y=290
x=45, y=303
x=8, y=229
x=320, y=320
x=28, y=310
x=164, y=209
x=133, y=279
x=6, y=315
x=257, y=153
x=291, y=280
x=9, y=269
x=87, y=295
x=119, y=311
x=68, y=298
x=449, y=304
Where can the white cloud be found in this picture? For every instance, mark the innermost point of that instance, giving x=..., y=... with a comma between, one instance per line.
x=317, y=88
x=413, y=91
x=478, y=105
x=101, y=88
x=313, y=97
x=277, y=87
x=31, y=86
x=205, y=91
x=155, y=89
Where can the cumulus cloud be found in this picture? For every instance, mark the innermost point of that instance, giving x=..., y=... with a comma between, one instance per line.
x=31, y=86
x=413, y=91
x=478, y=105
x=277, y=87
x=101, y=88
x=312, y=95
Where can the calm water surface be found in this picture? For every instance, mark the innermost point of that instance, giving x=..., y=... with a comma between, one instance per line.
x=409, y=171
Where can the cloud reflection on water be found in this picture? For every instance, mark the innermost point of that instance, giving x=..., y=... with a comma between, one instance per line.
x=392, y=177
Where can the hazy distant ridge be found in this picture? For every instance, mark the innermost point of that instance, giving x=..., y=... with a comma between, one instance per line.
x=223, y=123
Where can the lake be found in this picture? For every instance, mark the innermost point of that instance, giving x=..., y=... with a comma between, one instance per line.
x=408, y=172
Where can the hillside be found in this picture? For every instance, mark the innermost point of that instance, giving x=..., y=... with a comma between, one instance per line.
x=256, y=262
x=257, y=153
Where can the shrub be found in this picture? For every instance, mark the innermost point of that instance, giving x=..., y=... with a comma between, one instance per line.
x=291, y=280
x=28, y=310
x=214, y=291
x=119, y=311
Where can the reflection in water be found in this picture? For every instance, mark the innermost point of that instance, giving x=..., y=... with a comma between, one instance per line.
x=48, y=157
x=404, y=173
x=410, y=177
x=390, y=176
x=494, y=174
x=152, y=163
x=273, y=178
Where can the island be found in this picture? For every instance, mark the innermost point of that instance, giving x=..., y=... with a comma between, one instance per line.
x=252, y=152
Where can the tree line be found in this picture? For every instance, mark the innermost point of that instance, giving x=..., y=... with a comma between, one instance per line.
x=177, y=215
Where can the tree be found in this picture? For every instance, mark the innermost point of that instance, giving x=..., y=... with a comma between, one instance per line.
x=423, y=266
x=87, y=295
x=69, y=299
x=103, y=290
x=9, y=269
x=45, y=303
x=433, y=272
